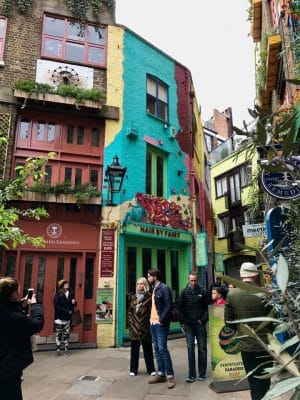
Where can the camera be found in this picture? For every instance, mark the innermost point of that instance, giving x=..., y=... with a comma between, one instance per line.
x=30, y=293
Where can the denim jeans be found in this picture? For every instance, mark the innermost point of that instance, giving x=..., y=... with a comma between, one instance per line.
x=197, y=331
x=163, y=359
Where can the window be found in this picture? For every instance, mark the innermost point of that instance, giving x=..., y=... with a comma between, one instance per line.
x=157, y=98
x=67, y=40
x=245, y=175
x=223, y=226
x=155, y=173
x=235, y=188
x=75, y=135
x=221, y=186
x=3, y=22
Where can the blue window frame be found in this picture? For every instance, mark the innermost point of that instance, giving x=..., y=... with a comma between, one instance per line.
x=157, y=98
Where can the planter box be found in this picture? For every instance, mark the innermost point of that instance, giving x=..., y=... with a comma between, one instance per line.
x=57, y=198
x=55, y=98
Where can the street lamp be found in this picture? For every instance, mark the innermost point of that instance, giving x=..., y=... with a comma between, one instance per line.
x=114, y=175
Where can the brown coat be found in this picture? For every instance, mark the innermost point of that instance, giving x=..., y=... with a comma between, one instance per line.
x=139, y=323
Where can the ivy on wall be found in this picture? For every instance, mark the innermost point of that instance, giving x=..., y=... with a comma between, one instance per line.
x=78, y=8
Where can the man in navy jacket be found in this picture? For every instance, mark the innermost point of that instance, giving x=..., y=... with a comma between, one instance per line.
x=159, y=324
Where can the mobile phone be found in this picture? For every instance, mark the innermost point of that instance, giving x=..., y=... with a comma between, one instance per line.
x=30, y=293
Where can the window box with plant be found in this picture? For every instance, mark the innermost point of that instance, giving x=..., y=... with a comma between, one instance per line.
x=67, y=94
x=63, y=193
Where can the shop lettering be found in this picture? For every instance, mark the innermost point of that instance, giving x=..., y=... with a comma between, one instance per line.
x=57, y=241
x=159, y=232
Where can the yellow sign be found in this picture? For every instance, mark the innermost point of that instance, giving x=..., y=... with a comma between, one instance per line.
x=227, y=369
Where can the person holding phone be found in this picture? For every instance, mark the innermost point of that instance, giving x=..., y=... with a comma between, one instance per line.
x=17, y=326
x=64, y=303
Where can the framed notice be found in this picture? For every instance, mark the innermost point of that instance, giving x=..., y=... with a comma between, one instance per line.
x=104, y=306
x=107, y=253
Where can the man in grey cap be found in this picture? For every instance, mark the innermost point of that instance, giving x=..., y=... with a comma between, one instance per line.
x=242, y=304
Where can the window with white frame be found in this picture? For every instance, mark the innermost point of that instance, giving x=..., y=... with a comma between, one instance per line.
x=3, y=23
x=223, y=226
x=67, y=40
x=235, y=188
x=157, y=98
x=245, y=175
x=221, y=186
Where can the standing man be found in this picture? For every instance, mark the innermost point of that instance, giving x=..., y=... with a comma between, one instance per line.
x=193, y=316
x=159, y=325
x=242, y=304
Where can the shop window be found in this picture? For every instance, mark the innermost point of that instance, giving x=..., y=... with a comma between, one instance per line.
x=41, y=279
x=10, y=266
x=64, y=39
x=72, y=277
x=28, y=274
x=147, y=260
x=89, y=278
x=3, y=23
x=60, y=268
x=155, y=173
x=157, y=98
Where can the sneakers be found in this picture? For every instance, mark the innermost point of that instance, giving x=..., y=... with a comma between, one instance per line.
x=153, y=373
x=157, y=379
x=202, y=378
x=57, y=353
x=171, y=383
x=132, y=373
x=66, y=353
x=190, y=380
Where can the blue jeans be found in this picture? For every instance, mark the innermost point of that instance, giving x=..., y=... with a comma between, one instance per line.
x=163, y=359
x=197, y=331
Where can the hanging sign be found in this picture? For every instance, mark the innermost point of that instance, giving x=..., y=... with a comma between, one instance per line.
x=201, y=249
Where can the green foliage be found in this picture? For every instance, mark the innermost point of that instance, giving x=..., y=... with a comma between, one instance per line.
x=10, y=234
x=64, y=90
x=78, y=8
x=85, y=192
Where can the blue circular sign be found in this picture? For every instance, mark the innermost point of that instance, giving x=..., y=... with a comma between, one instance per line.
x=281, y=184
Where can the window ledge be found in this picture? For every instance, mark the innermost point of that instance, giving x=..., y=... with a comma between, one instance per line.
x=57, y=198
x=158, y=119
x=55, y=98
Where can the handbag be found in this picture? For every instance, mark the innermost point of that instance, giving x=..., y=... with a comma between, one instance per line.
x=76, y=318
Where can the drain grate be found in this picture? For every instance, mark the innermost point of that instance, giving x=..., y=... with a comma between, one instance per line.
x=88, y=378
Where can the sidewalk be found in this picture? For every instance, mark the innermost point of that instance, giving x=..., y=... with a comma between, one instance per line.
x=105, y=375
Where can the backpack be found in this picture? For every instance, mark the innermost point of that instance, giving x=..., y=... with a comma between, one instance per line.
x=174, y=313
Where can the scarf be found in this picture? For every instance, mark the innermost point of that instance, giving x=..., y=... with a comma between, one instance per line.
x=139, y=297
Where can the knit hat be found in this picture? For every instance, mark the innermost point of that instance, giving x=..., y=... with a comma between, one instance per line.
x=60, y=284
x=248, y=270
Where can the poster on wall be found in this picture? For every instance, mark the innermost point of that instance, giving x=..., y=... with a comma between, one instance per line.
x=201, y=249
x=107, y=252
x=104, y=306
x=226, y=362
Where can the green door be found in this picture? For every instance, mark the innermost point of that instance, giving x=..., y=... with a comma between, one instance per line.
x=171, y=260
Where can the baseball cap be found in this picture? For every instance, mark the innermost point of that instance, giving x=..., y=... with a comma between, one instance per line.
x=248, y=270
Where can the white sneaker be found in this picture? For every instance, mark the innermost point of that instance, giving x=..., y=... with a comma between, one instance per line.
x=132, y=374
x=153, y=373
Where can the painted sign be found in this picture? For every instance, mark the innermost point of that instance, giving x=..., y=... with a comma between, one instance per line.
x=160, y=232
x=107, y=252
x=63, y=235
x=254, y=230
x=219, y=264
x=281, y=184
x=104, y=306
x=227, y=369
x=201, y=250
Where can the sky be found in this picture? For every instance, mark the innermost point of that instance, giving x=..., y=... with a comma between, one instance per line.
x=211, y=38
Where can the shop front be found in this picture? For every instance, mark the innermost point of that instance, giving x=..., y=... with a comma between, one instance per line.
x=142, y=247
x=71, y=253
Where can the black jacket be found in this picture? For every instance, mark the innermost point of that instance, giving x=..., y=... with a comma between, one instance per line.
x=163, y=302
x=63, y=306
x=15, y=331
x=193, y=305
